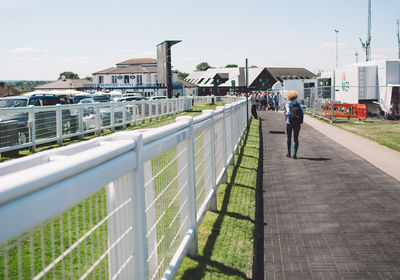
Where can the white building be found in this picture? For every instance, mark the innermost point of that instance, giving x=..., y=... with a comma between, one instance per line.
x=133, y=75
x=376, y=83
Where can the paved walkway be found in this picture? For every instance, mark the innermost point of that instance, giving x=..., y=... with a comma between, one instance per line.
x=329, y=214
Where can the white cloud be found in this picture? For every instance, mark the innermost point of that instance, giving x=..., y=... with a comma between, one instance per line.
x=24, y=50
x=28, y=50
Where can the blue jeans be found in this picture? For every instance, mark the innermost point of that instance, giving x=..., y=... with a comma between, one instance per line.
x=296, y=131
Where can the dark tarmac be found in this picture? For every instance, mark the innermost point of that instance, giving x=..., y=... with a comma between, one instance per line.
x=329, y=214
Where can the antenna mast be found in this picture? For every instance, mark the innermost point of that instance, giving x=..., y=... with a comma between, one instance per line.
x=398, y=35
x=367, y=44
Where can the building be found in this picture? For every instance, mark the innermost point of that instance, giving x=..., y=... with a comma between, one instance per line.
x=133, y=75
x=188, y=88
x=70, y=84
x=6, y=90
x=220, y=81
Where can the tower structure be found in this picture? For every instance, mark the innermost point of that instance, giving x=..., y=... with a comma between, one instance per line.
x=367, y=44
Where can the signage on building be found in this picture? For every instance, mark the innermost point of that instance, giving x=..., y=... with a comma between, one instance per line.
x=117, y=85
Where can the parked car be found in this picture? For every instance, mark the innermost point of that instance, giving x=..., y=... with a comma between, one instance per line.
x=45, y=122
x=157, y=98
x=132, y=98
x=87, y=109
x=78, y=97
x=101, y=97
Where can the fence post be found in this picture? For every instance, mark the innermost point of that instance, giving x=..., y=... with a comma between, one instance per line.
x=213, y=203
x=80, y=121
x=134, y=113
x=232, y=133
x=151, y=217
x=193, y=249
x=112, y=116
x=32, y=121
x=156, y=108
x=139, y=214
x=224, y=178
x=124, y=115
x=143, y=109
x=98, y=118
x=151, y=110
x=59, y=124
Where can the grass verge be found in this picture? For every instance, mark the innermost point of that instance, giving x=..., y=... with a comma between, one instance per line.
x=386, y=134
x=226, y=237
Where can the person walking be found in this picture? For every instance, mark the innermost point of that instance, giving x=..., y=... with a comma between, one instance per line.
x=276, y=102
x=294, y=118
x=262, y=100
x=253, y=105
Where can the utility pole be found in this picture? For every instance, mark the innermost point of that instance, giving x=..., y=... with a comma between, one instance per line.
x=367, y=44
x=337, y=54
x=398, y=35
x=247, y=93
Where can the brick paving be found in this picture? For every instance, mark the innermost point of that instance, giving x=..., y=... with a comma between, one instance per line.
x=329, y=214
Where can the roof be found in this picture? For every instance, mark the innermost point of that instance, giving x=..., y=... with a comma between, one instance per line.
x=282, y=73
x=67, y=84
x=187, y=84
x=206, y=78
x=6, y=90
x=138, y=61
x=238, y=74
x=128, y=70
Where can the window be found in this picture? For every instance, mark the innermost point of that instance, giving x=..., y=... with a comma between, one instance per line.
x=126, y=79
x=101, y=79
x=139, y=80
x=114, y=79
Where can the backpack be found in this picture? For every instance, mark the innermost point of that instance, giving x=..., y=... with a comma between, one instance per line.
x=276, y=98
x=296, y=115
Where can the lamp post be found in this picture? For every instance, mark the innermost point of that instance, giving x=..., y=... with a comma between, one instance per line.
x=337, y=56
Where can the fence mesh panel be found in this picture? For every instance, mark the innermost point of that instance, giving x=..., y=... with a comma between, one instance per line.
x=166, y=192
x=202, y=159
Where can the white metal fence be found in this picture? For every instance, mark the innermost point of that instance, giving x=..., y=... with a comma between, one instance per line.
x=124, y=206
x=31, y=126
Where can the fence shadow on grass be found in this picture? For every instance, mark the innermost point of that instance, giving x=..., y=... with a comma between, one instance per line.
x=205, y=260
x=258, y=259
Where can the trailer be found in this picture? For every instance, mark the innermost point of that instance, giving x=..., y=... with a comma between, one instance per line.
x=303, y=88
x=374, y=83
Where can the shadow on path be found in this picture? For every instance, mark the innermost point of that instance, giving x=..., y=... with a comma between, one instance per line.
x=315, y=159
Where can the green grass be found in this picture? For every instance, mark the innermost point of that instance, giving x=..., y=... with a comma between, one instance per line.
x=226, y=237
x=386, y=134
x=36, y=246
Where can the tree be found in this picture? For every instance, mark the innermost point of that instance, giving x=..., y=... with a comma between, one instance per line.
x=203, y=66
x=88, y=78
x=68, y=75
x=182, y=75
x=231, y=66
x=253, y=66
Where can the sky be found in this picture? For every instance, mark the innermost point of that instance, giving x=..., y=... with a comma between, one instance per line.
x=42, y=38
